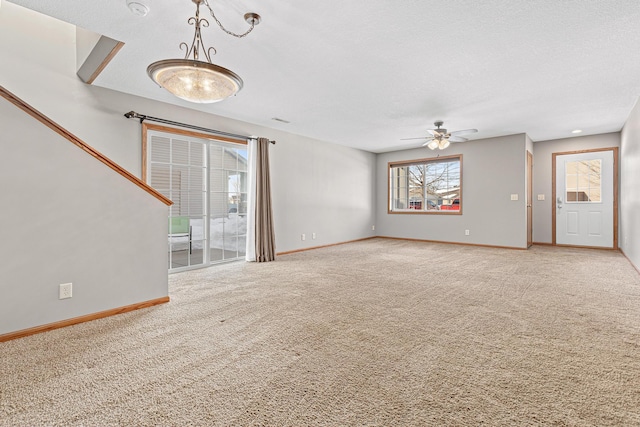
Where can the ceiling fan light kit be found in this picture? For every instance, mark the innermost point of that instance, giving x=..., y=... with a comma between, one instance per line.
x=440, y=138
x=444, y=143
x=192, y=79
x=433, y=144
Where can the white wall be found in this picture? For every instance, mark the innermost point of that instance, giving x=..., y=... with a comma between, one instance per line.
x=318, y=187
x=542, y=175
x=630, y=187
x=321, y=188
x=41, y=52
x=492, y=170
x=66, y=217
x=528, y=144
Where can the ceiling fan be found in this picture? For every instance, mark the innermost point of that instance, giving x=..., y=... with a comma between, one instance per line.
x=440, y=138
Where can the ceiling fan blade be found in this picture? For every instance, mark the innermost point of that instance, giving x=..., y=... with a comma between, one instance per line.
x=457, y=139
x=429, y=141
x=462, y=132
x=422, y=137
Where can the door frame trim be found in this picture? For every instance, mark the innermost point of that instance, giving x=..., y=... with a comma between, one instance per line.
x=615, y=191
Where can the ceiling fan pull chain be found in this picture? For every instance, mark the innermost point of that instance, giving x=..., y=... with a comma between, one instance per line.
x=252, y=19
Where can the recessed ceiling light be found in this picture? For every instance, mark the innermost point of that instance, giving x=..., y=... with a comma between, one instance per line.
x=576, y=131
x=137, y=8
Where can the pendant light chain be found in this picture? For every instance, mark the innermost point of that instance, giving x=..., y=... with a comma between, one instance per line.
x=252, y=22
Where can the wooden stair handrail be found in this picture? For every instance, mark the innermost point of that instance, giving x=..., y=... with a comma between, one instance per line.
x=78, y=142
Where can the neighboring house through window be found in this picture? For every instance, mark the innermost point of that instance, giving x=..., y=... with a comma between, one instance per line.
x=426, y=186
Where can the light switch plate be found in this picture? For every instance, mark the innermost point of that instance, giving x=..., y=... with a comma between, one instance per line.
x=514, y=197
x=540, y=196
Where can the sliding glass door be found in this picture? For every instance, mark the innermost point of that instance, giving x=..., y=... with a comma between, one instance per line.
x=207, y=181
x=227, y=202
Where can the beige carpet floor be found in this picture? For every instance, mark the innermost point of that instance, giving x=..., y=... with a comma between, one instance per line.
x=378, y=332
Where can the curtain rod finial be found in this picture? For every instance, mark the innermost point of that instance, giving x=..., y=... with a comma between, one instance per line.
x=133, y=115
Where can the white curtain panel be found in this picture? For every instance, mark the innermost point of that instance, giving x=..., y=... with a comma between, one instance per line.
x=251, y=202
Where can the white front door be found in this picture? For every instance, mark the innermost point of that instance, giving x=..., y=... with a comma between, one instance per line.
x=585, y=199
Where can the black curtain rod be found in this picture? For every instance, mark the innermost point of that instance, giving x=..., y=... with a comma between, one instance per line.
x=142, y=117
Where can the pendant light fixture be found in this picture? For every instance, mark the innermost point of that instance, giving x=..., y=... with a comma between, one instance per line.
x=195, y=80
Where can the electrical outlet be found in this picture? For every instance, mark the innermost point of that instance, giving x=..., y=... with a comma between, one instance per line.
x=466, y=232
x=313, y=236
x=65, y=291
x=303, y=237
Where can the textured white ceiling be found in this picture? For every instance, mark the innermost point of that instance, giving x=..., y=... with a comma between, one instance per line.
x=367, y=73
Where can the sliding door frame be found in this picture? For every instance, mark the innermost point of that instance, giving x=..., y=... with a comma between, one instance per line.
x=152, y=128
